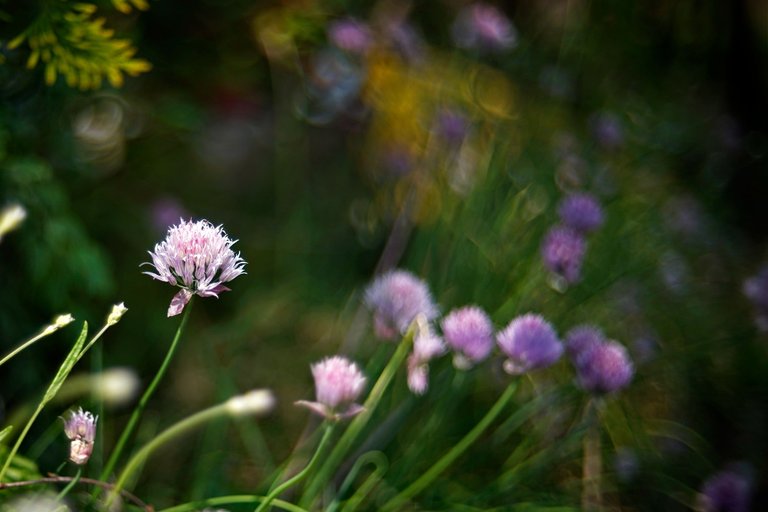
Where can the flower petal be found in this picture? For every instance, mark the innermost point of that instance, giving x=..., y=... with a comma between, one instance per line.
x=178, y=302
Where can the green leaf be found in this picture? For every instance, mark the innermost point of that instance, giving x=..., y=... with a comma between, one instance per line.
x=66, y=367
x=5, y=432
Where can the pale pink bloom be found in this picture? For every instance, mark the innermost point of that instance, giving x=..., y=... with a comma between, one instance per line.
x=396, y=298
x=469, y=333
x=426, y=346
x=80, y=429
x=198, y=257
x=338, y=383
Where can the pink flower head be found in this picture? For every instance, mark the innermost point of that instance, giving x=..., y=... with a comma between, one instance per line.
x=604, y=367
x=396, y=298
x=80, y=429
x=469, y=333
x=338, y=383
x=529, y=342
x=350, y=35
x=563, y=252
x=483, y=26
x=426, y=346
x=198, y=257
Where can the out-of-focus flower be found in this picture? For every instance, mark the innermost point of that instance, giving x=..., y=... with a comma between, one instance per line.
x=626, y=464
x=395, y=298
x=529, y=342
x=563, y=252
x=726, y=491
x=451, y=125
x=426, y=346
x=198, y=257
x=165, y=212
x=350, y=35
x=338, y=383
x=255, y=402
x=334, y=81
x=36, y=502
x=403, y=38
x=581, y=212
x=116, y=386
x=11, y=218
x=607, y=130
x=483, y=27
x=755, y=289
x=581, y=338
x=80, y=429
x=604, y=368
x=469, y=333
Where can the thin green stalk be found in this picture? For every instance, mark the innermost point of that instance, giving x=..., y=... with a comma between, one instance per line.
x=70, y=485
x=301, y=474
x=458, y=449
x=138, y=411
x=356, y=426
x=175, y=430
x=69, y=362
x=380, y=463
x=229, y=500
x=48, y=330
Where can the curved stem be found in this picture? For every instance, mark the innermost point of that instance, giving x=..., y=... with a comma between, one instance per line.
x=458, y=449
x=301, y=474
x=227, y=500
x=381, y=464
x=43, y=334
x=357, y=424
x=175, y=430
x=137, y=412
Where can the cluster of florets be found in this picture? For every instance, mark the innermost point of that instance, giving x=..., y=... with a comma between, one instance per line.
x=728, y=490
x=198, y=258
x=603, y=366
x=482, y=26
x=396, y=297
x=565, y=244
x=338, y=383
x=80, y=429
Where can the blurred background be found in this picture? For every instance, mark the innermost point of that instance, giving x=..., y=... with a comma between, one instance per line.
x=337, y=139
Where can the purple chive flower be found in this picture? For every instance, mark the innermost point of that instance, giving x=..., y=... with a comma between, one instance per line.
x=426, y=346
x=197, y=257
x=755, y=289
x=563, y=252
x=395, y=298
x=581, y=338
x=607, y=130
x=484, y=27
x=469, y=333
x=350, y=35
x=338, y=383
x=581, y=212
x=529, y=342
x=604, y=368
x=451, y=125
x=726, y=491
x=80, y=429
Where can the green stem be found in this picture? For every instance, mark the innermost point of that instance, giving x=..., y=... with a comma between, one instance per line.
x=45, y=332
x=70, y=485
x=175, y=430
x=380, y=463
x=356, y=426
x=457, y=450
x=137, y=412
x=301, y=474
x=227, y=500
x=591, y=494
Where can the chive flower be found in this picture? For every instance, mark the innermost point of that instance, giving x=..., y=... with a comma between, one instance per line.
x=426, y=346
x=395, y=298
x=581, y=338
x=198, y=258
x=604, y=368
x=468, y=331
x=726, y=491
x=80, y=429
x=483, y=27
x=350, y=35
x=581, y=212
x=338, y=383
x=563, y=252
x=529, y=342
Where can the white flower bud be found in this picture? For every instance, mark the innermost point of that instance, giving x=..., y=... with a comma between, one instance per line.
x=118, y=310
x=259, y=401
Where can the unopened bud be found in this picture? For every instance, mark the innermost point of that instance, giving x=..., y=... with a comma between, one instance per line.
x=80, y=428
x=118, y=310
x=59, y=322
